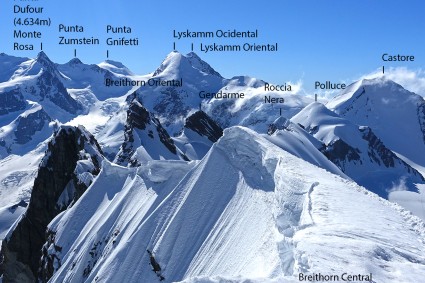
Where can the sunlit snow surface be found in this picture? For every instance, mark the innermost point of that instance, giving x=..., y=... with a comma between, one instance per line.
x=247, y=210
x=250, y=211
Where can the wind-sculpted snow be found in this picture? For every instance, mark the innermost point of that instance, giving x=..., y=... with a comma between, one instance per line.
x=252, y=207
x=248, y=210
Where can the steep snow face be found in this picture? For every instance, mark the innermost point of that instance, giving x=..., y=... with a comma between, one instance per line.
x=394, y=114
x=172, y=104
x=252, y=111
x=357, y=151
x=248, y=210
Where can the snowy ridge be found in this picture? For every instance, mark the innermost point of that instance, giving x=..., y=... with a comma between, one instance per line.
x=263, y=199
x=248, y=209
x=295, y=140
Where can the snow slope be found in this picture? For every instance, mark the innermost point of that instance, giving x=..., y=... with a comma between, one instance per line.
x=357, y=151
x=295, y=140
x=8, y=65
x=25, y=132
x=248, y=210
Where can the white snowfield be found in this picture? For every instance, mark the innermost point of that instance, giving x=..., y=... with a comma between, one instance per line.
x=247, y=212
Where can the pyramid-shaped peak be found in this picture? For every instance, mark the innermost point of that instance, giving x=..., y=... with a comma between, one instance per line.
x=45, y=61
x=74, y=61
x=42, y=57
x=175, y=62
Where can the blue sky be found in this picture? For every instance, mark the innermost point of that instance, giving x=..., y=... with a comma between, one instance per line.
x=318, y=39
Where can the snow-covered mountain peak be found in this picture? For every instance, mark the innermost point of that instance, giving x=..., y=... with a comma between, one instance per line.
x=170, y=64
x=396, y=115
x=351, y=147
x=176, y=64
x=115, y=67
x=31, y=67
x=45, y=61
x=380, y=89
x=74, y=61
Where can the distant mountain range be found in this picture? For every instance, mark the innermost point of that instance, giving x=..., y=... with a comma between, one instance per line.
x=157, y=183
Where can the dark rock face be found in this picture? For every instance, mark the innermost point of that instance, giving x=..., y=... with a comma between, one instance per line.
x=202, y=124
x=22, y=250
x=53, y=89
x=27, y=126
x=421, y=118
x=378, y=152
x=11, y=101
x=339, y=152
x=342, y=154
x=140, y=118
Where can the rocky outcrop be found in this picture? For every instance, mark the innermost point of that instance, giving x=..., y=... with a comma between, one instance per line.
x=51, y=87
x=148, y=129
x=280, y=123
x=202, y=124
x=59, y=183
x=340, y=153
